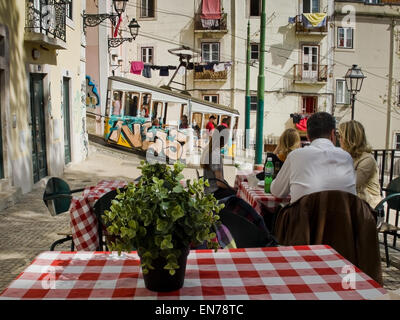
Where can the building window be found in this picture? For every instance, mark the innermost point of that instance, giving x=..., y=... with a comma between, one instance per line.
x=253, y=103
x=342, y=94
x=68, y=9
x=397, y=141
x=211, y=98
x=255, y=51
x=210, y=52
x=311, y=6
x=147, y=54
x=310, y=105
x=147, y=9
x=255, y=8
x=345, y=38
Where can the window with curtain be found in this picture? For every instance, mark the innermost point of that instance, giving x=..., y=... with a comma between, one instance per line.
x=345, y=38
x=147, y=9
x=210, y=52
x=342, y=94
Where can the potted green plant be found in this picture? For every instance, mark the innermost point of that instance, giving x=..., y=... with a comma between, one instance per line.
x=161, y=219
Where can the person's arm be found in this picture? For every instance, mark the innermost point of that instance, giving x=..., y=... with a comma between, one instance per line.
x=364, y=172
x=280, y=186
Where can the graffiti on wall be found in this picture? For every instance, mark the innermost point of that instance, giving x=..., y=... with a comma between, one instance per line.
x=92, y=98
x=139, y=133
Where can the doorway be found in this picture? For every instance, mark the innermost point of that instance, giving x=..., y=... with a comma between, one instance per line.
x=66, y=116
x=38, y=125
x=310, y=62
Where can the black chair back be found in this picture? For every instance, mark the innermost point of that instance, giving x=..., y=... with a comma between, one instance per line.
x=102, y=204
x=245, y=233
x=392, y=188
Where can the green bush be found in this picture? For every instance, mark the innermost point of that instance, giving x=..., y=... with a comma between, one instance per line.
x=158, y=217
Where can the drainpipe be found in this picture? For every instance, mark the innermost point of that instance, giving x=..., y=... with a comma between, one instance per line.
x=247, y=101
x=389, y=100
x=260, y=92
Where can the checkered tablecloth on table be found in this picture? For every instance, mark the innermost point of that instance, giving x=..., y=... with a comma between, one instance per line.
x=256, y=196
x=83, y=220
x=279, y=273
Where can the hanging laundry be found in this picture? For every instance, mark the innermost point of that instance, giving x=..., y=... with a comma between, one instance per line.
x=199, y=68
x=137, y=67
x=209, y=66
x=315, y=20
x=118, y=24
x=302, y=125
x=292, y=20
x=146, y=71
x=228, y=65
x=164, y=71
x=190, y=66
x=218, y=67
x=211, y=13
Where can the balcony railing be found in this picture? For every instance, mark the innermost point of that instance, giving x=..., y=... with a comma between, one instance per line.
x=310, y=73
x=214, y=25
x=47, y=17
x=210, y=75
x=302, y=27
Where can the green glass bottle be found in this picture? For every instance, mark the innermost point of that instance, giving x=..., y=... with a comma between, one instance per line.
x=269, y=173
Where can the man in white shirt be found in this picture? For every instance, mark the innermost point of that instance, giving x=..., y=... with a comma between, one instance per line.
x=318, y=167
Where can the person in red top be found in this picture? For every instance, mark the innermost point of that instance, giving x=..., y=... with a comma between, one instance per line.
x=210, y=126
x=225, y=122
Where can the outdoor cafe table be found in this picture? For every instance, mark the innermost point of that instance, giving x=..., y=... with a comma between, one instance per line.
x=83, y=220
x=256, y=196
x=279, y=273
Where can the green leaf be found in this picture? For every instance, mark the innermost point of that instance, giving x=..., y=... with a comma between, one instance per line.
x=178, y=189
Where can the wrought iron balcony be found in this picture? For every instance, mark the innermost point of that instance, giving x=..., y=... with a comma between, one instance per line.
x=46, y=22
x=211, y=75
x=303, y=27
x=217, y=25
x=310, y=73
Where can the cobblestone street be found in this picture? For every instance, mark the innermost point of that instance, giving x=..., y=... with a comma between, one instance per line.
x=27, y=228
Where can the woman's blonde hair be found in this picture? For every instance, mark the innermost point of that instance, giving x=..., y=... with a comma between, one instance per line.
x=288, y=141
x=353, y=138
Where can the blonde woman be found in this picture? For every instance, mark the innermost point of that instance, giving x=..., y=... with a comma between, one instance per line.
x=353, y=140
x=288, y=141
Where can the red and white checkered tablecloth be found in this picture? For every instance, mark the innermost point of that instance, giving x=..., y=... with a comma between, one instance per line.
x=83, y=219
x=280, y=273
x=256, y=196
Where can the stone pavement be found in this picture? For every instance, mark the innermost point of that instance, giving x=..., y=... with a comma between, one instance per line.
x=27, y=228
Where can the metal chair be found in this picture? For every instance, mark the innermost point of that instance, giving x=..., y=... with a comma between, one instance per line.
x=57, y=198
x=392, y=201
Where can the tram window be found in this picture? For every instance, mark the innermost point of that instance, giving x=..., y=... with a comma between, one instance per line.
x=131, y=104
x=172, y=115
x=197, y=120
x=228, y=120
x=108, y=103
x=184, y=110
x=145, y=107
x=116, y=104
x=157, y=110
x=207, y=117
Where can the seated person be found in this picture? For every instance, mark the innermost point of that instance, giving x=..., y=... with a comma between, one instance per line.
x=184, y=122
x=212, y=164
x=353, y=140
x=319, y=167
x=155, y=124
x=288, y=141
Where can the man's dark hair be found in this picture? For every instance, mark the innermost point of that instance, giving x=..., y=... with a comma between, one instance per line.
x=320, y=125
x=212, y=117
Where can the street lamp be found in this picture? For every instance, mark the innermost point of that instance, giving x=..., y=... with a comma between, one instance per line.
x=133, y=29
x=354, y=80
x=92, y=20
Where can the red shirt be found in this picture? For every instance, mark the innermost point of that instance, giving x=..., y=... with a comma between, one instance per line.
x=210, y=126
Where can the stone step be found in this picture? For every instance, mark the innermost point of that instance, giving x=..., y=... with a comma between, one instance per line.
x=9, y=198
x=4, y=185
